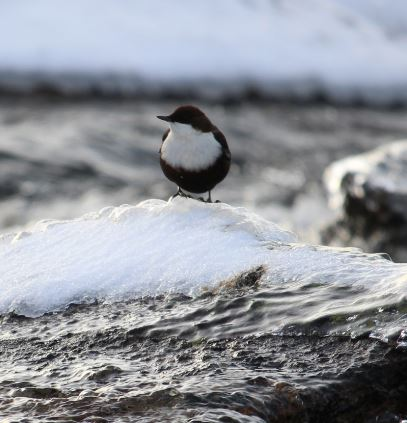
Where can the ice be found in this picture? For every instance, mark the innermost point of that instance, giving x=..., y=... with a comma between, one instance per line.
x=380, y=170
x=154, y=247
x=284, y=48
x=159, y=247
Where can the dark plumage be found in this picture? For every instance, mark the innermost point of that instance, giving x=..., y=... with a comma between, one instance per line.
x=194, y=153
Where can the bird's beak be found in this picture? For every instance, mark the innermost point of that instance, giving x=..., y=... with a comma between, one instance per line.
x=166, y=118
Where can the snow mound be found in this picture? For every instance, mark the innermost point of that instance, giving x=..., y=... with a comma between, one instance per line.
x=177, y=246
x=283, y=48
x=148, y=249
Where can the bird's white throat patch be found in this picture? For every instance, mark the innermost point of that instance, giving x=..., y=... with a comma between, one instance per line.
x=190, y=149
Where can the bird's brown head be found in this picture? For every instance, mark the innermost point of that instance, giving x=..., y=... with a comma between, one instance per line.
x=189, y=115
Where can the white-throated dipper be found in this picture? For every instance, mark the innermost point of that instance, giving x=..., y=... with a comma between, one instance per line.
x=194, y=154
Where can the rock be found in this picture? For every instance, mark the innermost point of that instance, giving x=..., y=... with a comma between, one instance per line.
x=370, y=190
x=318, y=379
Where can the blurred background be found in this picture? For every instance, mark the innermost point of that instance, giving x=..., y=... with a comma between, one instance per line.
x=300, y=89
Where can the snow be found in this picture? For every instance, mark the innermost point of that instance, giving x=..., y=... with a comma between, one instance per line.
x=152, y=248
x=284, y=48
x=181, y=246
x=392, y=19
x=381, y=170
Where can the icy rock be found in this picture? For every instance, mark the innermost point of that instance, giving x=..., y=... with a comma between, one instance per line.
x=182, y=246
x=152, y=248
x=370, y=191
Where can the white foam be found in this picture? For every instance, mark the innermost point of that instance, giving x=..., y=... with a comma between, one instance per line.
x=159, y=247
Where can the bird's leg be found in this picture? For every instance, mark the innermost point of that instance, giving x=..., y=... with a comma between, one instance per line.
x=184, y=194
x=209, y=200
x=179, y=193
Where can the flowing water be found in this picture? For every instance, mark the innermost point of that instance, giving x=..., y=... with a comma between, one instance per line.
x=189, y=359
x=297, y=336
x=62, y=159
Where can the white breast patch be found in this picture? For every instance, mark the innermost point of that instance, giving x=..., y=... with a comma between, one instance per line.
x=190, y=149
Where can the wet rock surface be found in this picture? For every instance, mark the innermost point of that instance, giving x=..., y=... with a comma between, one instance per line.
x=371, y=191
x=71, y=366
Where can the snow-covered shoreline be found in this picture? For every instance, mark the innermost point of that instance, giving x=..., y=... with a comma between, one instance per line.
x=288, y=49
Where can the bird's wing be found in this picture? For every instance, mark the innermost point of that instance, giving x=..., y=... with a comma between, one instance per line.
x=220, y=138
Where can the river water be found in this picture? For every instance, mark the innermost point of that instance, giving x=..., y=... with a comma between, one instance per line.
x=274, y=344
x=62, y=159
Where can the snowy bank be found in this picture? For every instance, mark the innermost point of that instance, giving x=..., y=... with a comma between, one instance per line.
x=180, y=246
x=280, y=48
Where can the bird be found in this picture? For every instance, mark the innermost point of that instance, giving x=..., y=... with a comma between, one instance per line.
x=194, y=153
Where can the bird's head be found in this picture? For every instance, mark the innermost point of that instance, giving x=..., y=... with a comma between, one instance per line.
x=188, y=115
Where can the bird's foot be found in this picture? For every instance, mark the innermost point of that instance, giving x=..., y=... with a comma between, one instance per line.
x=180, y=193
x=177, y=194
x=209, y=199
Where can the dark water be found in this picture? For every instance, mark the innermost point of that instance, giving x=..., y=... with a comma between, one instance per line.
x=206, y=359
x=251, y=352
